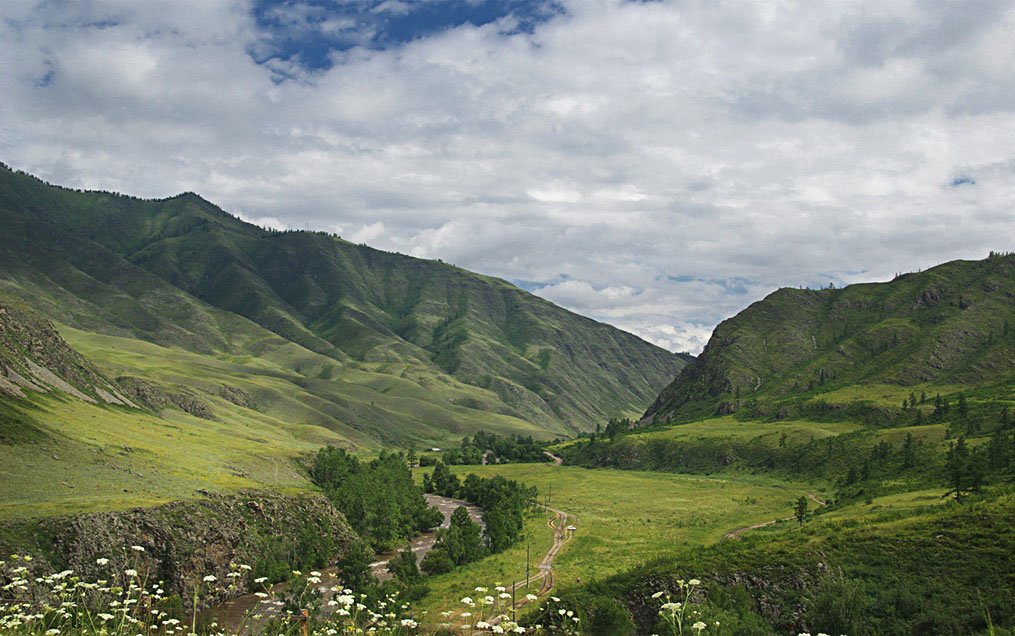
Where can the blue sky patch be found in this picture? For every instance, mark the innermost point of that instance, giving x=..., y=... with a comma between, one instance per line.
x=309, y=31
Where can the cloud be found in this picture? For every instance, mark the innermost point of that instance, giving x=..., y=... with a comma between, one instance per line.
x=657, y=165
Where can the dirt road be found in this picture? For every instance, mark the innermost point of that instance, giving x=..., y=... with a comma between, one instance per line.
x=735, y=534
x=557, y=460
x=564, y=526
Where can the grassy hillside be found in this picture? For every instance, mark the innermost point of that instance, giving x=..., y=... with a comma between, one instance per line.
x=949, y=327
x=380, y=348
x=894, y=399
x=914, y=566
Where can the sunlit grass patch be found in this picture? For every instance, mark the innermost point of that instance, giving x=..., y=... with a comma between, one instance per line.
x=628, y=517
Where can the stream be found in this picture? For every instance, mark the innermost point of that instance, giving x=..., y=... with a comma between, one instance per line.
x=232, y=614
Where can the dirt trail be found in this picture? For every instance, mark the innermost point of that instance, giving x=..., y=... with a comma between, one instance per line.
x=557, y=460
x=564, y=526
x=735, y=534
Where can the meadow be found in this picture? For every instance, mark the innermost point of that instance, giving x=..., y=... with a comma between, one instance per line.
x=93, y=458
x=771, y=433
x=624, y=518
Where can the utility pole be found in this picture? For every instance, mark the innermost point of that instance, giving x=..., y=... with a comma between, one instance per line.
x=527, y=564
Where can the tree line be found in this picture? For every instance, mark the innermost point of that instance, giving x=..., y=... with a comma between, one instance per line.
x=504, y=503
x=378, y=498
x=860, y=465
x=497, y=449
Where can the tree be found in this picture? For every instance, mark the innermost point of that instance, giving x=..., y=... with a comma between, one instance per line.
x=460, y=543
x=444, y=483
x=437, y=561
x=958, y=468
x=404, y=566
x=999, y=450
x=354, y=567
x=907, y=452
x=800, y=510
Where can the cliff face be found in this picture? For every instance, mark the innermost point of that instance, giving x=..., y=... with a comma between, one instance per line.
x=33, y=357
x=187, y=540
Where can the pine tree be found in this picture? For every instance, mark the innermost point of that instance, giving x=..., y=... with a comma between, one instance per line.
x=800, y=509
x=907, y=452
x=444, y=483
x=999, y=450
x=957, y=466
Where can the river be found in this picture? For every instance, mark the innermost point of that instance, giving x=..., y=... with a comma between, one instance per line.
x=232, y=614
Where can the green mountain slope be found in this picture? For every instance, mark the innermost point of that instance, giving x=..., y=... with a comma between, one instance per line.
x=953, y=325
x=379, y=348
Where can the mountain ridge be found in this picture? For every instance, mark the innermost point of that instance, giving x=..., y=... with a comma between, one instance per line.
x=182, y=272
x=947, y=324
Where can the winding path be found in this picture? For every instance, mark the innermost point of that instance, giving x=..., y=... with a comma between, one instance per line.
x=557, y=459
x=735, y=534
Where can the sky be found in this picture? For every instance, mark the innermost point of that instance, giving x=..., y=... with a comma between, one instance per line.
x=655, y=165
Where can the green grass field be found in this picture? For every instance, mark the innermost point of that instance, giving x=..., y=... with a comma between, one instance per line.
x=888, y=395
x=770, y=432
x=625, y=518
x=95, y=459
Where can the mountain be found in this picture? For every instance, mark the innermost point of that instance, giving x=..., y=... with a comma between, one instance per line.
x=177, y=296
x=952, y=325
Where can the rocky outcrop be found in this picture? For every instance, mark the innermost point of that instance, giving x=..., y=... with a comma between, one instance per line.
x=33, y=357
x=157, y=398
x=185, y=541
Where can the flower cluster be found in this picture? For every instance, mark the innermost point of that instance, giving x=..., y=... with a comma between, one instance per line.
x=495, y=612
x=124, y=602
x=676, y=611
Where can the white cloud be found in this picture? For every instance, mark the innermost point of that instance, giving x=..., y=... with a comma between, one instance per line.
x=657, y=165
x=368, y=233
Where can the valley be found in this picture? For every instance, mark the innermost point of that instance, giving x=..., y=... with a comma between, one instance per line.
x=228, y=409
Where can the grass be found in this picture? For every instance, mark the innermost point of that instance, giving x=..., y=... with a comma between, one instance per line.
x=359, y=403
x=503, y=568
x=887, y=395
x=770, y=432
x=625, y=518
x=909, y=563
x=96, y=459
